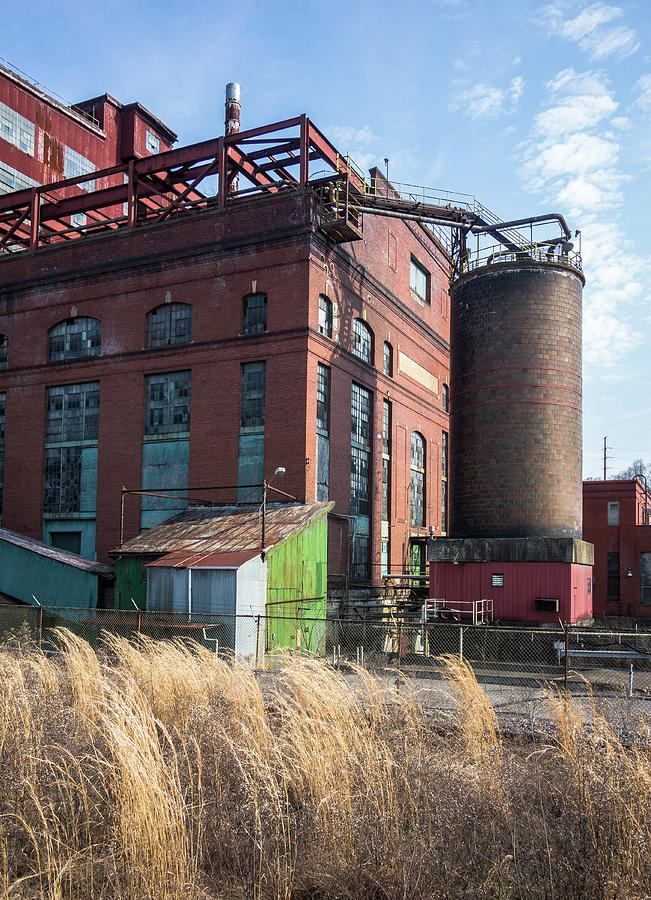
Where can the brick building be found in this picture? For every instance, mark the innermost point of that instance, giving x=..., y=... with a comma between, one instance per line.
x=616, y=519
x=157, y=331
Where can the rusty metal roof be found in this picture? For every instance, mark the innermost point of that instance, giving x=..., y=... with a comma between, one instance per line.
x=221, y=529
x=182, y=559
x=62, y=556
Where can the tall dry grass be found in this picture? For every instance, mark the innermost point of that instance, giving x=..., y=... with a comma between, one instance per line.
x=157, y=770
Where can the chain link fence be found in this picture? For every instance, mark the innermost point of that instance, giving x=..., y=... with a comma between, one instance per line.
x=513, y=663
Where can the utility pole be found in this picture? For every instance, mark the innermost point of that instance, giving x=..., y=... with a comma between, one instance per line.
x=605, y=457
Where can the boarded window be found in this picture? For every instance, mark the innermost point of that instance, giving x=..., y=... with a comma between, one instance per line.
x=170, y=323
x=613, y=512
x=75, y=339
x=167, y=403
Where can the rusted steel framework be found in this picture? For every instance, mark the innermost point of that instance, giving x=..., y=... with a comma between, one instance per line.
x=285, y=156
x=266, y=160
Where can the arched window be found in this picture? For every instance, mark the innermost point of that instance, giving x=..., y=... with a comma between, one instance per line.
x=170, y=323
x=362, y=341
x=75, y=339
x=417, y=481
x=254, y=318
x=388, y=359
x=325, y=315
x=445, y=398
x=4, y=351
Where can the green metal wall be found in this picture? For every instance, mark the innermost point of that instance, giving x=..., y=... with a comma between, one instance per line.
x=296, y=569
x=53, y=583
x=128, y=571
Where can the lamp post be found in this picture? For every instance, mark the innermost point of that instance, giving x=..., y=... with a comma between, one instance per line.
x=280, y=470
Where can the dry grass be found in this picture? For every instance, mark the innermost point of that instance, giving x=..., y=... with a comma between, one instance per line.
x=160, y=771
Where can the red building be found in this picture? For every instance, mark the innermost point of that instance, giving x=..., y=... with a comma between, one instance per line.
x=160, y=331
x=616, y=519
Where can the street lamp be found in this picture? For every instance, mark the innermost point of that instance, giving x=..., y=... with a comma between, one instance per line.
x=280, y=470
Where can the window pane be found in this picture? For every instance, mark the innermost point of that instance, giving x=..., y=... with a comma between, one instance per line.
x=360, y=416
x=362, y=340
x=253, y=394
x=169, y=324
x=4, y=351
x=75, y=339
x=167, y=403
x=255, y=314
x=322, y=396
x=388, y=359
x=419, y=280
x=72, y=412
x=325, y=316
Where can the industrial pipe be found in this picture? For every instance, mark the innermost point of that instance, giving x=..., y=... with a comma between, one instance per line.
x=530, y=220
x=430, y=220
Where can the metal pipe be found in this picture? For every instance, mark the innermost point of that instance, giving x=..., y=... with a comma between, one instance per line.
x=529, y=220
x=430, y=220
x=232, y=126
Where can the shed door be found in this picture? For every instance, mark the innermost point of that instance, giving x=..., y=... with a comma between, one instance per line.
x=214, y=591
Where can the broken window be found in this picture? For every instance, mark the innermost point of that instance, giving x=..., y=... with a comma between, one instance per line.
x=74, y=165
x=72, y=412
x=167, y=403
x=325, y=315
x=72, y=417
x=362, y=341
x=4, y=351
x=417, y=481
x=360, y=450
x=16, y=129
x=253, y=394
x=169, y=324
x=152, y=142
x=254, y=314
x=75, y=339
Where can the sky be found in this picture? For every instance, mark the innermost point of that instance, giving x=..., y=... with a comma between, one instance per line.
x=532, y=107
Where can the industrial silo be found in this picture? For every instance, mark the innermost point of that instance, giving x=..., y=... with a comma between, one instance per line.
x=516, y=401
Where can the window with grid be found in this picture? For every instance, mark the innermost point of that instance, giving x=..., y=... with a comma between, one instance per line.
x=170, y=323
x=388, y=359
x=360, y=437
x=322, y=397
x=445, y=398
x=74, y=165
x=325, y=315
x=253, y=394
x=362, y=341
x=645, y=579
x=72, y=413
x=62, y=479
x=386, y=460
x=419, y=280
x=612, y=594
x=13, y=180
x=255, y=314
x=16, y=129
x=4, y=351
x=3, y=406
x=75, y=339
x=167, y=403
x=417, y=480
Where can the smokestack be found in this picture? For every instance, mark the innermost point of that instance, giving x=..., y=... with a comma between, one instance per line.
x=232, y=122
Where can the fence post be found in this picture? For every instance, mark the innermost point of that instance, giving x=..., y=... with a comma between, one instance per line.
x=40, y=628
x=399, y=642
x=461, y=643
x=139, y=616
x=566, y=656
x=257, y=641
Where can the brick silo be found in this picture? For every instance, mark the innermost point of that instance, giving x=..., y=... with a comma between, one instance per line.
x=515, y=545
x=515, y=419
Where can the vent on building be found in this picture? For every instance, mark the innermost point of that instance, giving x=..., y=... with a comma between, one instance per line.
x=547, y=604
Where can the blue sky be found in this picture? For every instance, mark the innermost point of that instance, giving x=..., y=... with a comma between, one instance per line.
x=532, y=107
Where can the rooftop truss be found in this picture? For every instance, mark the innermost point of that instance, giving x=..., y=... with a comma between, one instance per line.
x=225, y=171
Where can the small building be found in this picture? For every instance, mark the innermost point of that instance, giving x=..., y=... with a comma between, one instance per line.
x=209, y=565
x=30, y=569
x=616, y=519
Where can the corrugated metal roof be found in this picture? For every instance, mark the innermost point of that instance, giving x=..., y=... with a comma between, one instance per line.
x=220, y=529
x=62, y=556
x=180, y=559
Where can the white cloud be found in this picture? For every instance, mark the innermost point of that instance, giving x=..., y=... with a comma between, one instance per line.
x=486, y=101
x=345, y=136
x=572, y=158
x=643, y=88
x=593, y=28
